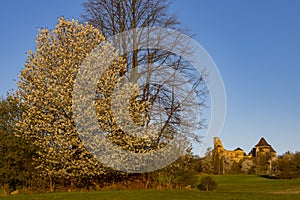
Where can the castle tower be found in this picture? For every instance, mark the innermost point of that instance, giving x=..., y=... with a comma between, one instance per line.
x=217, y=143
x=262, y=148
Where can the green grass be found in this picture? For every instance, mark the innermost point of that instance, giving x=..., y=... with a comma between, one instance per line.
x=235, y=187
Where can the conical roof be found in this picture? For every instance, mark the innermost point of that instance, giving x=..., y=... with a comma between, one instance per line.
x=262, y=142
x=238, y=149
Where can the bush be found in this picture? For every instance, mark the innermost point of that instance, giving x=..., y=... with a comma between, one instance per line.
x=207, y=183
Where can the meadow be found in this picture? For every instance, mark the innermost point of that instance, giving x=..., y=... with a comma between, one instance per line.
x=233, y=187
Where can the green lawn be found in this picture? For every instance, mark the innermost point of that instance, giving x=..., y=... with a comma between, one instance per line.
x=239, y=187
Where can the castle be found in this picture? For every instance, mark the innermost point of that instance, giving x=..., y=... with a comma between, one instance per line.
x=262, y=148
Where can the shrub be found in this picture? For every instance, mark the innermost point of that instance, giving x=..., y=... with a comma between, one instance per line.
x=207, y=183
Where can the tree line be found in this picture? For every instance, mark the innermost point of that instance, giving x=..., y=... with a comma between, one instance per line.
x=286, y=166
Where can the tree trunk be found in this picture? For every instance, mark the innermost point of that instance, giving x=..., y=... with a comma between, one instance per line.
x=5, y=189
x=52, y=185
x=97, y=186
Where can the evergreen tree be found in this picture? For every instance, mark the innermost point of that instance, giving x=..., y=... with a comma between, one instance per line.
x=15, y=152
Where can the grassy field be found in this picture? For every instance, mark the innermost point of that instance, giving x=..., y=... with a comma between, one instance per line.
x=239, y=187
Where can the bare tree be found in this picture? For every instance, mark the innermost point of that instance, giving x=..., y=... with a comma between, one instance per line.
x=165, y=109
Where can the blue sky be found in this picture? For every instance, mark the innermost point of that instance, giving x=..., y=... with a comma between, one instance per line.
x=255, y=44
